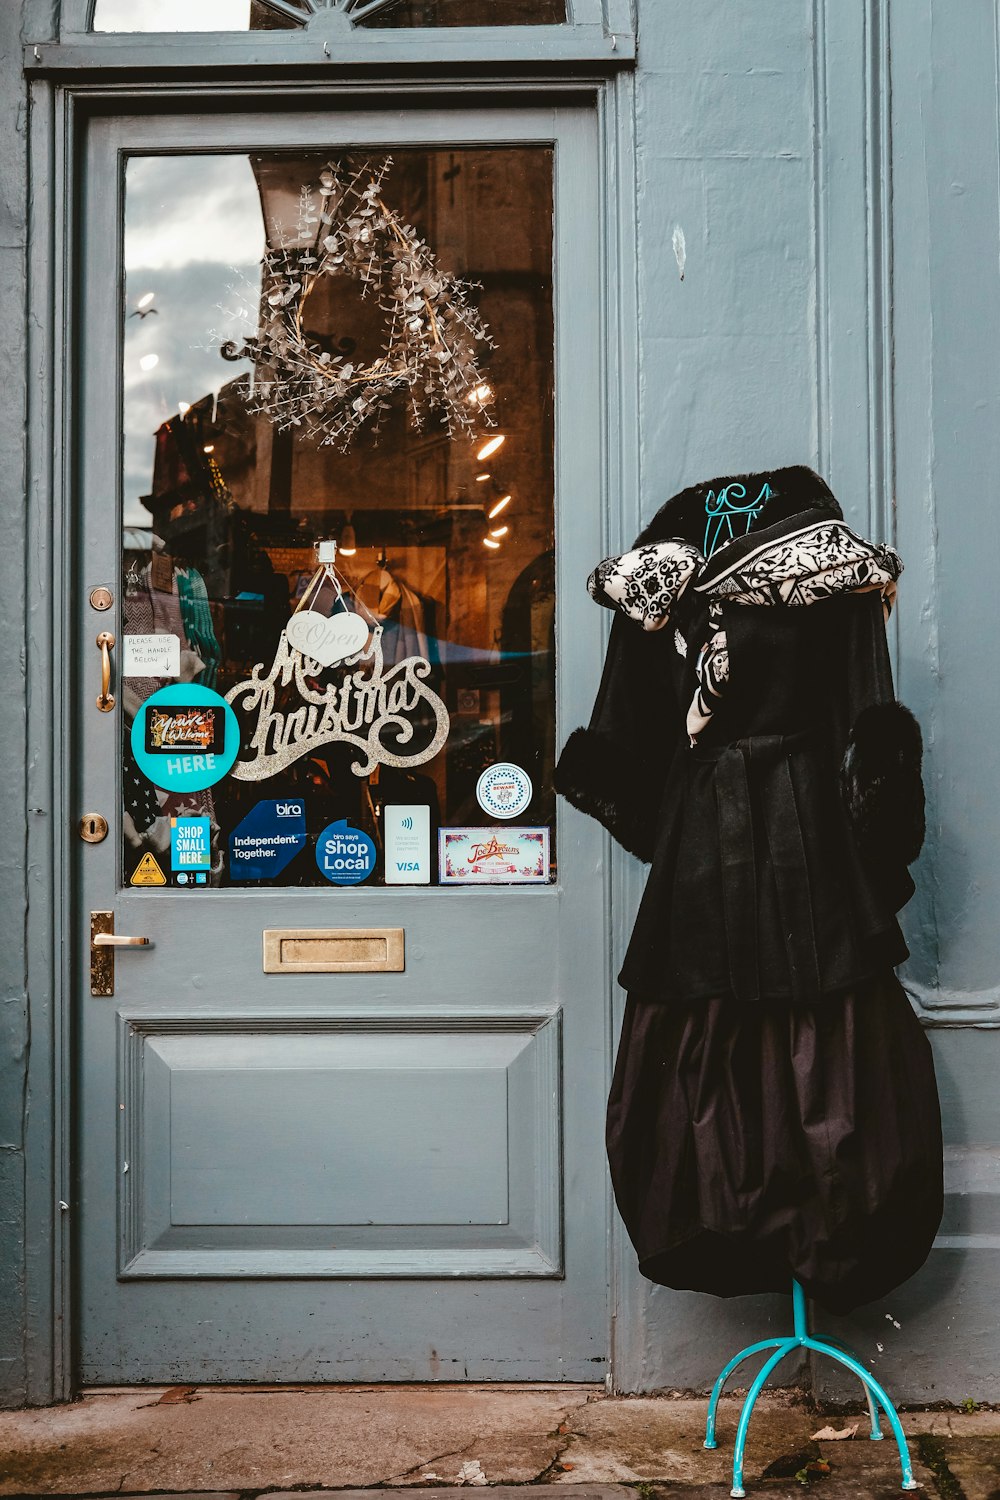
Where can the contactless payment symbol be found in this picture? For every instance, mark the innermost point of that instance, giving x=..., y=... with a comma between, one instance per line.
x=346, y=856
x=268, y=839
x=185, y=738
x=504, y=790
x=407, y=834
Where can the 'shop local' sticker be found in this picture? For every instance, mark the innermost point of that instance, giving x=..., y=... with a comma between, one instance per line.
x=346, y=856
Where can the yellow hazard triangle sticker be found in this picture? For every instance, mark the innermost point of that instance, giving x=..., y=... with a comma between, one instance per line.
x=148, y=872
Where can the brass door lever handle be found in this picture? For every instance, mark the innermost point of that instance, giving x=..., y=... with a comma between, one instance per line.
x=106, y=698
x=103, y=942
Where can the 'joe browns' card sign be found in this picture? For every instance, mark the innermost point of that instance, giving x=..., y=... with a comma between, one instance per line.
x=391, y=715
x=493, y=856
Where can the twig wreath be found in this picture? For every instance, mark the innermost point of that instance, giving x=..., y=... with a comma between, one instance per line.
x=432, y=332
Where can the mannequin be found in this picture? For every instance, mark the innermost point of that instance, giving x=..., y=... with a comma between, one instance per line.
x=773, y=1112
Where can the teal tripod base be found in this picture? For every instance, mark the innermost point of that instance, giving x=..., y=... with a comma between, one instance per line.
x=802, y=1339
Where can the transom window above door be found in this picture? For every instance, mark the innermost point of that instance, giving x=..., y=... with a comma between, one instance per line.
x=294, y=15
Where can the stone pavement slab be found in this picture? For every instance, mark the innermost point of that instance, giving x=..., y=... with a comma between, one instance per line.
x=644, y=1439
x=971, y=1464
x=238, y=1442
x=461, y=1492
x=327, y=1437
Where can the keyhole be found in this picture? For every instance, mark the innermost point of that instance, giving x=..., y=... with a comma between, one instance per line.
x=93, y=828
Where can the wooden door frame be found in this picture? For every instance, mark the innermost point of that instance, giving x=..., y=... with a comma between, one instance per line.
x=60, y=108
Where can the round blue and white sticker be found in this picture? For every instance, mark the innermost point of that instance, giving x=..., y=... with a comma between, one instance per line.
x=503, y=790
x=185, y=738
x=346, y=856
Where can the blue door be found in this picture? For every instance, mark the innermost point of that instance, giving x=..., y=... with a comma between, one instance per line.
x=341, y=1117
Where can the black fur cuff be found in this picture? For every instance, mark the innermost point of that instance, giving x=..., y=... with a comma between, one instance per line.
x=881, y=783
x=590, y=775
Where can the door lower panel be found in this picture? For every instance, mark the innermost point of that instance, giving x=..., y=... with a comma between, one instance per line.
x=340, y=1146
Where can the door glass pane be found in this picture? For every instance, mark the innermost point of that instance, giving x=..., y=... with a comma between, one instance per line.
x=470, y=13
x=260, y=15
x=192, y=15
x=338, y=574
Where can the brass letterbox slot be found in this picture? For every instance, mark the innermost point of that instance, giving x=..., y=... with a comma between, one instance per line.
x=333, y=950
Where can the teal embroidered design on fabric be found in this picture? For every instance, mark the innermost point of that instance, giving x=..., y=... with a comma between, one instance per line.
x=726, y=518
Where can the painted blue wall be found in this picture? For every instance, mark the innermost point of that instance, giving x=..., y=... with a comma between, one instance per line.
x=830, y=171
x=13, y=1000
x=728, y=382
x=833, y=172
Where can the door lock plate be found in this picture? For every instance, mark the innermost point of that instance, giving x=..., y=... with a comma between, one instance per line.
x=102, y=960
x=103, y=942
x=93, y=828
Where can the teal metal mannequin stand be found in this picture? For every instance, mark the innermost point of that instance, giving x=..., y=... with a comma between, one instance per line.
x=802, y=1339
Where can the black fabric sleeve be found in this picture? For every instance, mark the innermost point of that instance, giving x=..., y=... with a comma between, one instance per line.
x=615, y=770
x=880, y=772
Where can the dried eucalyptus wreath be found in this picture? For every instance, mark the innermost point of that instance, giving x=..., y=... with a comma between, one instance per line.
x=432, y=331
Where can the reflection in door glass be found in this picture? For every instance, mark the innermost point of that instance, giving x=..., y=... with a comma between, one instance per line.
x=260, y=15
x=338, y=579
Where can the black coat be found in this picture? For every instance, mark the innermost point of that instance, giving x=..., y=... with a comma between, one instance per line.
x=773, y=1112
x=780, y=841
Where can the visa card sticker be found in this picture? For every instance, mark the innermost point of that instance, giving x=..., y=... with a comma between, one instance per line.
x=407, y=835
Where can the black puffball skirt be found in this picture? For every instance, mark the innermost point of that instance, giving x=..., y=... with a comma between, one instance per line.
x=752, y=1144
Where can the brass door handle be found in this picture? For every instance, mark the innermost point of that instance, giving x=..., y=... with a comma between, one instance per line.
x=106, y=698
x=103, y=942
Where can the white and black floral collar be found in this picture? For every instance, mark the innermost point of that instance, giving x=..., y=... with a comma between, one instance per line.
x=796, y=562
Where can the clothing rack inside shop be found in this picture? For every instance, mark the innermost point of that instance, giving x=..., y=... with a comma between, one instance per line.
x=801, y=1338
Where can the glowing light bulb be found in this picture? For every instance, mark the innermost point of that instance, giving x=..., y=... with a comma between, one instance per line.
x=482, y=478
x=480, y=395
x=208, y=448
x=149, y=362
x=348, y=541
x=501, y=504
x=488, y=542
x=500, y=531
x=491, y=447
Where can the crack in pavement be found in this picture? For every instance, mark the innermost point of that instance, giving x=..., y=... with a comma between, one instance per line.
x=425, y=1463
x=557, y=1457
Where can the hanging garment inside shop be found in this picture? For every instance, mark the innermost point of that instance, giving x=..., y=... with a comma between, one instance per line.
x=773, y=1111
x=399, y=609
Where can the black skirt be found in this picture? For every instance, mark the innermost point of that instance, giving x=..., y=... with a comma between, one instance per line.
x=752, y=1144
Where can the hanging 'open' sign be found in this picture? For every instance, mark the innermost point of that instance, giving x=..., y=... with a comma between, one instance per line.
x=328, y=639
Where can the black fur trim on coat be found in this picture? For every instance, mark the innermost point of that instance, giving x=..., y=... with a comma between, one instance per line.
x=588, y=767
x=881, y=782
x=796, y=490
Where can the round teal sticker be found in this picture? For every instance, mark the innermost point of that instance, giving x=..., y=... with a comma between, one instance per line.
x=185, y=738
x=345, y=855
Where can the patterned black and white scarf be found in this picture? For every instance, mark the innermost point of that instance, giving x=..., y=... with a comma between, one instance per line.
x=816, y=561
